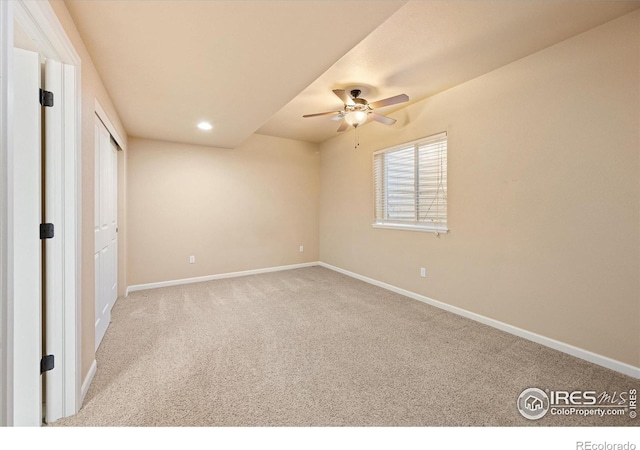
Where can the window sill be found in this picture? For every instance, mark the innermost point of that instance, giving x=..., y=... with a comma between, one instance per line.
x=407, y=227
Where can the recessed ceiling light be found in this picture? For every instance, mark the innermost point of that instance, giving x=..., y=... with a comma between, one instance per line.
x=205, y=126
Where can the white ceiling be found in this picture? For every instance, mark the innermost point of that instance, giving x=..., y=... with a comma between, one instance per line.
x=169, y=64
x=250, y=66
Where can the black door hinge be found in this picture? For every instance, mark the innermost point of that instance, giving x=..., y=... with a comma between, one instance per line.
x=46, y=98
x=46, y=363
x=46, y=230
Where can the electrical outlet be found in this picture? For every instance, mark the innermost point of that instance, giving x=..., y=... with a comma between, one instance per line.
x=192, y=259
x=301, y=248
x=423, y=272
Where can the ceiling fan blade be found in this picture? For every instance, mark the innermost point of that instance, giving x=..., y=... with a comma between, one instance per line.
x=342, y=95
x=343, y=126
x=322, y=114
x=382, y=119
x=390, y=101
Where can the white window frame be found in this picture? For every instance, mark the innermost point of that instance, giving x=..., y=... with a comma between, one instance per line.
x=407, y=225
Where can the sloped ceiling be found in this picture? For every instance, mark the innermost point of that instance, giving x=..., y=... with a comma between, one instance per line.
x=258, y=66
x=169, y=64
x=429, y=46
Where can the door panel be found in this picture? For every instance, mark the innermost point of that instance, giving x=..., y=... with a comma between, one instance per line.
x=27, y=258
x=106, y=237
x=54, y=289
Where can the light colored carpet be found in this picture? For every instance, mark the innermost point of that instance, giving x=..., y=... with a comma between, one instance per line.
x=311, y=347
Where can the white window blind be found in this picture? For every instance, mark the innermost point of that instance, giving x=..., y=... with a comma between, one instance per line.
x=411, y=185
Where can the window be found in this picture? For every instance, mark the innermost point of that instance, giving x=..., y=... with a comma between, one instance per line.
x=411, y=185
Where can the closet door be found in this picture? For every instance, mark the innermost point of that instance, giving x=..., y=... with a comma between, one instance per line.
x=106, y=229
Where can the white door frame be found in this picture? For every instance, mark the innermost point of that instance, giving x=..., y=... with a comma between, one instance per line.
x=104, y=118
x=41, y=24
x=6, y=208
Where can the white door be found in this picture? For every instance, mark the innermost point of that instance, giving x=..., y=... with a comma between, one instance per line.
x=27, y=257
x=106, y=235
x=54, y=287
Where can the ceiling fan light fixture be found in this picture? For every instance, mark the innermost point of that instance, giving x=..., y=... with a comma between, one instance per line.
x=356, y=118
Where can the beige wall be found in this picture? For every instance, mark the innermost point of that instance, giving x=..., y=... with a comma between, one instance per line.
x=543, y=195
x=543, y=192
x=92, y=89
x=241, y=209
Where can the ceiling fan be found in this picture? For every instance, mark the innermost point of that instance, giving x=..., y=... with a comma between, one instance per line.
x=356, y=110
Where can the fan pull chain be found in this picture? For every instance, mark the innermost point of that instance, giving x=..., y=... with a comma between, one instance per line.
x=356, y=139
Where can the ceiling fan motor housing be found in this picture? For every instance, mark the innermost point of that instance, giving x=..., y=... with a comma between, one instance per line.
x=355, y=113
x=360, y=105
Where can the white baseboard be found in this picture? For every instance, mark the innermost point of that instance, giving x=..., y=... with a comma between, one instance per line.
x=87, y=382
x=142, y=287
x=594, y=358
